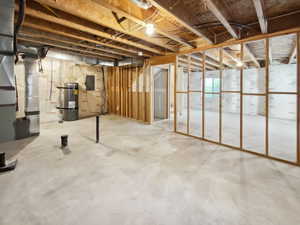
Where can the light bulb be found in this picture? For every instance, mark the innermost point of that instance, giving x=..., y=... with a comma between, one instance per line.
x=150, y=29
x=240, y=64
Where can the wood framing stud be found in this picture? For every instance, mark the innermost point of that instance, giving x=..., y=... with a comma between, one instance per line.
x=85, y=28
x=219, y=15
x=90, y=10
x=298, y=96
x=213, y=8
x=180, y=21
x=258, y=4
x=142, y=23
x=293, y=54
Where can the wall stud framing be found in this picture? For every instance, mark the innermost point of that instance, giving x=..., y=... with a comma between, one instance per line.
x=188, y=94
x=241, y=96
x=175, y=94
x=298, y=97
x=266, y=94
x=220, y=93
x=267, y=59
x=203, y=93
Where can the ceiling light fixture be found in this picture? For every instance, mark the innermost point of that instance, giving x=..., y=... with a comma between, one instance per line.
x=239, y=64
x=150, y=29
x=140, y=53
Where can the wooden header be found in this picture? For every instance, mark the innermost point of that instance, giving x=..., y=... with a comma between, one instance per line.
x=159, y=60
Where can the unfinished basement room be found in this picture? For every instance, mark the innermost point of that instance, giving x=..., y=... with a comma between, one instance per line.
x=149, y=112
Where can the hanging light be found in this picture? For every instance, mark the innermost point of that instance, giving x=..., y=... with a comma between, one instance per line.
x=239, y=64
x=150, y=29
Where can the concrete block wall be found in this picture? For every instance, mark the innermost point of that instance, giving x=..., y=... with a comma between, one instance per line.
x=282, y=79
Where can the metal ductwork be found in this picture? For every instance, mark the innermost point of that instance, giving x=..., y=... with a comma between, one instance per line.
x=142, y=4
x=32, y=108
x=7, y=76
x=131, y=62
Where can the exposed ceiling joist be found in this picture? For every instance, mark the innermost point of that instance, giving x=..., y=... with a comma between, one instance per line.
x=82, y=27
x=91, y=11
x=178, y=18
x=293, y=54
x=270, y=53
x=189, y=27
x=73, y=52
x=216, y=58
x=218, y=14
x=206, y=61
x=141, y=22
x=52, y=28
x=90, y=53
x=258, y=4
x=213, y=8
x=195, y=65
x=251, y=55
x=60, y=40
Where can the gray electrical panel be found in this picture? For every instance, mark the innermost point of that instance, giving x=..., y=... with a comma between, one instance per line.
x=90, y=82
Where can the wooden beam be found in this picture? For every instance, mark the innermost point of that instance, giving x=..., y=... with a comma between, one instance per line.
x=293, y=54
x=160, y=60
x=258, y=4
x=52, y=28
x=213, y=8
x=251, y=55
x=74, y=52
x=185, y=62
x=60, y=40
x=236, y=42
x=270, y=53
x=92, y=54
x=141, y=22
x=209, y=64
x=215, y=57
x=91, y=11
x=188, y=26
x=85, y=28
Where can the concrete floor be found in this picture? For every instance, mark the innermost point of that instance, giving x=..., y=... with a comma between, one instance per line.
x=282, y=133
x=142, y=175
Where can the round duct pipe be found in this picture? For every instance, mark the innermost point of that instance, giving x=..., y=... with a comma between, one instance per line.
x=144, y=4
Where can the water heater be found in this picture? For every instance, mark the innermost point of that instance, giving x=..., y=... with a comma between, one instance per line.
x=69, y=105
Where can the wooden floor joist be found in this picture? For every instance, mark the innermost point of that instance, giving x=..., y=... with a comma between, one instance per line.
x=67, y=32
x=141, y=22
x=94, y=12
x=60, y=40
x=86, y=28
x=90, y=53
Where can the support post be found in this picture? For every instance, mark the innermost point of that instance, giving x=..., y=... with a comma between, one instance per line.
x=97, y=129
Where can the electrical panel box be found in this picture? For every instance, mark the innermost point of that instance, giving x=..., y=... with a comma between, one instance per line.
x=90, y=82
